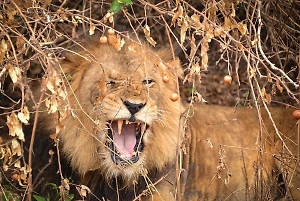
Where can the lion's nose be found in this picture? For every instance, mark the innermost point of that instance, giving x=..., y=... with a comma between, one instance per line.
x=133, y=108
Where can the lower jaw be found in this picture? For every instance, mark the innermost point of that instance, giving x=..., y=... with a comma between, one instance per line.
x=126, y=173
x=115, y=157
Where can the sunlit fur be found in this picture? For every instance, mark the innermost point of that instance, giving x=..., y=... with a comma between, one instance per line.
x=232, y=156
x=220, y=147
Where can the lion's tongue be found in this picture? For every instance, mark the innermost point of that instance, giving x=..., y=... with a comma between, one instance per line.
x=125, y=141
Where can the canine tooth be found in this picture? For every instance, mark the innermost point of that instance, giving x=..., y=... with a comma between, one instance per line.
x=126, y=121
x=133, y=154
x=120, y=124
x=125, y=156
x=143, y=128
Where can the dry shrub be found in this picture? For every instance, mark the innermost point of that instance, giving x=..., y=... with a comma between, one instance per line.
x=255, y=42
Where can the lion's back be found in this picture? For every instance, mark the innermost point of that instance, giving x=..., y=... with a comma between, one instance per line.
x=229, y=157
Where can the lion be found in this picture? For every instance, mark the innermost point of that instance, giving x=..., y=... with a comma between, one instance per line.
x=122, y=134
x=235, y=154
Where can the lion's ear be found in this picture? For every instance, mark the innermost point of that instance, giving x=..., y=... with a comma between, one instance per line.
x=73, y=58
x=174, y=64
x=72, y=61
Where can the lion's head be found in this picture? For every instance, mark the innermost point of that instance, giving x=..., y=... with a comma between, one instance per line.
x=123, y=121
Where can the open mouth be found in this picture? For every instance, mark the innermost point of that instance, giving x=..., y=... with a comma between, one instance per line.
x=125, y=140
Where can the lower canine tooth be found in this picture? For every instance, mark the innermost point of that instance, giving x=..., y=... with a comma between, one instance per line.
x=126, y=156
x=120, y=124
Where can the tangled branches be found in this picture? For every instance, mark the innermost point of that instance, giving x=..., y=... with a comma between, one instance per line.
x=254, y=42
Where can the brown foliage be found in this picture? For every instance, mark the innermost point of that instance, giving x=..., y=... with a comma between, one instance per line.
x=255, y=42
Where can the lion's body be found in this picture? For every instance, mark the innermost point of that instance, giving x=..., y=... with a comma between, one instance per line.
x=228, y=159
x=106, y=86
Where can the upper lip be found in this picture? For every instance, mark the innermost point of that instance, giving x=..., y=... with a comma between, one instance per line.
x=125, y=140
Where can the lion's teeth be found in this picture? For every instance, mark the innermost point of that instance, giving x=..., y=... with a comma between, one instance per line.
x=125, y=156
x=143, y=128
x=120, y=124
x=126, y=122
x=133, y=154
x=138, y=125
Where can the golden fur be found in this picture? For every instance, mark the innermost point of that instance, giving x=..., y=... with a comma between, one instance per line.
x=225, y=157
x=100, y=79
x=228, y=159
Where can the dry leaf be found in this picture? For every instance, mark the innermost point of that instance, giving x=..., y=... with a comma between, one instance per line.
x=54, y=84
x=254, y=41
x=148, y=37
x=65, y=184
x=116, y=41
x=109, y=16
x=269, y=77
x=14, y=126
x=7, y=157
x=51, y=104
x=252, y=72
x=92, y=29
x=196, y=21
x=198, y=97
x=218, y=31
x=196, y=71
x=212, y=10
x=3, y=50
x=208, y=29
x=20, y=43
x=23, y=175
x=232, y=10
x=24, y=116
x=13, y=72
x=279, y=87
x=83, y=190
x=5, y=167
x=183, y=30
x=2, y=153
x=75, y=23
x=54, y=136
x=227, y=24
x=53, y=81
x=17, y=164
x=16, y=148
x=265, y=96
x=242, y=28
x=62, y=93
x=193, y=47
x=204, y=55
x=177, y=15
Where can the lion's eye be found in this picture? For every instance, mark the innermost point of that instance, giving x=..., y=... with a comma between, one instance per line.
x=110, y=83
x=148, y=82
